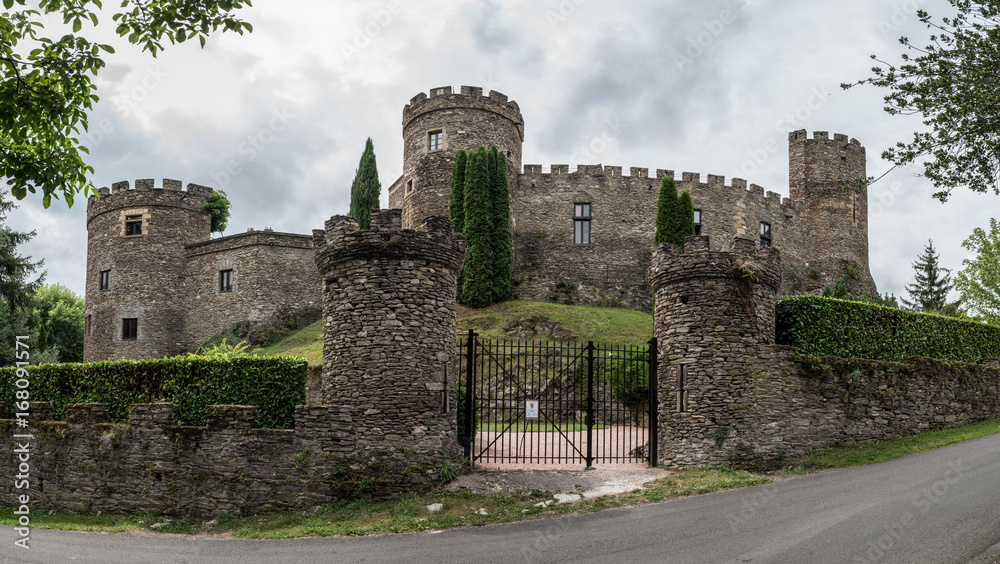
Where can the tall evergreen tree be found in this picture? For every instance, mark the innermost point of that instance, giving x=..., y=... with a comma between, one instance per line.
x=477, y=287
x=666, y=211
x=684, y=221
x=366, y=188
x=502, y=256
x=17, y=286
x=930, y=290
x=456, y=204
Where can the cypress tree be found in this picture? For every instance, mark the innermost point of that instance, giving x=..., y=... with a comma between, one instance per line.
x=666, y=211
x=930, y=291
x=366, y=188
x=477, y=284
x=501, y=225
x=456, y=204
x=684, y=223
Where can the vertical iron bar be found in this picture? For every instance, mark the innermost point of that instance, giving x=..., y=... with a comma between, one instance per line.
x=470, y=393
x=590, y=404
x=653, y=425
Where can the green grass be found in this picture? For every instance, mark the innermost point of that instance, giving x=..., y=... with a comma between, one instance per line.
x=406, y=514
x=881, y=451
x=509, y=320
x=568, y=427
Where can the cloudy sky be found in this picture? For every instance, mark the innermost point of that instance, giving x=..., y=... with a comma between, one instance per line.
x=278, y=118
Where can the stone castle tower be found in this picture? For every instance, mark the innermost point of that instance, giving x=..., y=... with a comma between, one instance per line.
x=437, y=127
x=135, y=260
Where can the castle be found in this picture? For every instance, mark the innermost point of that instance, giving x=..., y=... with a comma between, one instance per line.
x=158, y=285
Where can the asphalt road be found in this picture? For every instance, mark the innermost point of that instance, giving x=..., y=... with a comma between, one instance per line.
x=938, y=507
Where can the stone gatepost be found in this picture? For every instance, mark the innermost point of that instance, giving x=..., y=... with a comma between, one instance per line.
x=712, y=311
x=389, y=334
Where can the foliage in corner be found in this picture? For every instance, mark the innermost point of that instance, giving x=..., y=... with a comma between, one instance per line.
x=366, y=189
x=830, y=327
x=979, y=280
x=275, y=385
x=218, y=205
x=46, y=84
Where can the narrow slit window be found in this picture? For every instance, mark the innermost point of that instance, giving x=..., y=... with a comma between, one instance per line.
x=697, y=222
x=765, y=234
x=581, y=224
x=226, y=280
x=130, y=329
x=105, y=279
x=86, y=324
x=133, y=225
x=436, y=140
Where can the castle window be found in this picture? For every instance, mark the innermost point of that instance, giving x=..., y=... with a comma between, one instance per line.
x=133, y=225
x=697, y=222
x=226, y=280
x=765, y=234
x=86, y=325
x=105, y=279
x=409, y=186
x=130, y=329
x=581, y=224
x=436, y=140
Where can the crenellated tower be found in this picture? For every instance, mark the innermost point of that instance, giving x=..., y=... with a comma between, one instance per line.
x=827, y=176
x=435, y=127
x=135, y=307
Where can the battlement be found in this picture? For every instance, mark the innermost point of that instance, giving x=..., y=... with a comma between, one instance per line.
x=698, y=261
x=342, y=240
x=468, y=97
x=802, y=136
x=121, y=194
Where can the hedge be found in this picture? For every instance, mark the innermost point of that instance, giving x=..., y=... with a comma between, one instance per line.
x=830, y=327
x=274, y=385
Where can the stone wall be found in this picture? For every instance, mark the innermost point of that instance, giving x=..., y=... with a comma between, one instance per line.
x=274, y=275
x=729, y=395
x=151, y=464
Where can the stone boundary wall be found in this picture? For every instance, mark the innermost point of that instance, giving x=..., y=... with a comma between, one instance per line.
x=151, y=464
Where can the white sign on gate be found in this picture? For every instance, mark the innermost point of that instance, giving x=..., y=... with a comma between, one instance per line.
x=531, y=410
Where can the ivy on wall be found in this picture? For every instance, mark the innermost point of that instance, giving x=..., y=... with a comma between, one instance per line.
x=274, y=385
x=830, y=327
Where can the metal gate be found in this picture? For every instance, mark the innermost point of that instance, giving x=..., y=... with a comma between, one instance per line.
x=556, y=403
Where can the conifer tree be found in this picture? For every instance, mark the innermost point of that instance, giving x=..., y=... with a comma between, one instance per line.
x=456, y=204
x=930, y=290
x=684, y=221
x=666, y=211
x=17, y=287
x=501, y=225
x=477, y=286
x=366, y=188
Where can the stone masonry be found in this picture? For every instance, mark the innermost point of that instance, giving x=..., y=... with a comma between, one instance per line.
x=167, y=276
x=728, y=394
x=389, y=328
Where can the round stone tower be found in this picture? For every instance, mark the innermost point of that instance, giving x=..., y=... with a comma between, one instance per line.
x=389, y=332
x=135, y=267
x=434, y=129
x=828, y=177
x=713, y=309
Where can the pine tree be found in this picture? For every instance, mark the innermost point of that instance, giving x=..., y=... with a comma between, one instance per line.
x=840, y=290
x=930, y=291
x=666, y=211
x=477, y=287
x=16, y=288
x=502, y=257
x=366, y=188
x=684, y=220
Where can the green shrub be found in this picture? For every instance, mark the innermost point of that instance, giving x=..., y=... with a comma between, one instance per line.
x=628, y=375
x=823, y=326
x=275, y=385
